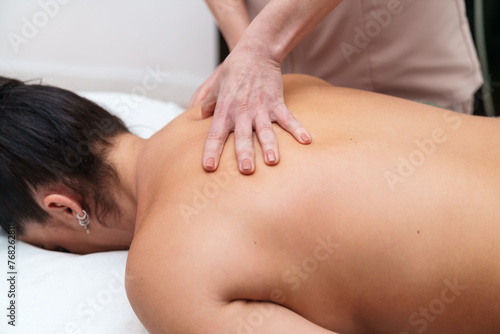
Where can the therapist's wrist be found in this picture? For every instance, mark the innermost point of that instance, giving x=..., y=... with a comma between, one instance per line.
x=233, y=36
x=260, y=48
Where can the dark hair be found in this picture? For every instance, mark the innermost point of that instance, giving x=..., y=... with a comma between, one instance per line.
x=49, y=135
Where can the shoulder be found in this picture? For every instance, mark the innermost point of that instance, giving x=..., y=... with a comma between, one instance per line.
x=173, y=269
x=166, y=278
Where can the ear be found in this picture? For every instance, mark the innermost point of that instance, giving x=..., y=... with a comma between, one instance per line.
x=62, y=205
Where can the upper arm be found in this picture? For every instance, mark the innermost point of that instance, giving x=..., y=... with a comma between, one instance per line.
x=179, y=290
x=194, y=314
x=263, y=318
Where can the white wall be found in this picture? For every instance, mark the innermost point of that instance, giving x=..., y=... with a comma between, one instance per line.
x=109, y=45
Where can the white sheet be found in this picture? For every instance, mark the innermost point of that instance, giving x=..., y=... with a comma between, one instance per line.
x=60, y=293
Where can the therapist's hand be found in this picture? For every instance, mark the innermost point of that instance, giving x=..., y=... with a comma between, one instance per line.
x=245, y=93
x=202, y=91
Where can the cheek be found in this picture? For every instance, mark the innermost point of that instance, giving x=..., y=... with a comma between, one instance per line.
x=48, y=237
x=36, y=235
x=80, y=243
x=73, y=242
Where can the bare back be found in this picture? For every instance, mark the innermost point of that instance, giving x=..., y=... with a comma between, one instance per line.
x=387, y=223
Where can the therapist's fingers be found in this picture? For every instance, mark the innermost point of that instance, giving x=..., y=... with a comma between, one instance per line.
x=243, y=136
x=287, y=121
x=216, y=138
x=208, y=105
x=202, y=91
x=200, y=94
x=267, y=139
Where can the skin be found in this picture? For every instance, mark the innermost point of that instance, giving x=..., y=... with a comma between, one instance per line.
x=232, y=19
x=325, y=242
x=246, y=91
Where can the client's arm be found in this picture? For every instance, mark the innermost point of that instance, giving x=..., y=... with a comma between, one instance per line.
x=184, y=292
x=192, y=314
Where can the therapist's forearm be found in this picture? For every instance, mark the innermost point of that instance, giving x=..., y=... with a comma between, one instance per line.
x=282, y=24
x=232, y=19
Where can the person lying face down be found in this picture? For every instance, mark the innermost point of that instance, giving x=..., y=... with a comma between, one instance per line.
x=386, y=223
x=54, y=164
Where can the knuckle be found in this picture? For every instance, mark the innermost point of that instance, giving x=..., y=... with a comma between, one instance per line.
x=215, y=136
x=245, y=153
x=289, y=123
x=243, y=135
x=287, y=118
x=243, y=111
x=265, y=132
x=244, y=146
x=221, y=111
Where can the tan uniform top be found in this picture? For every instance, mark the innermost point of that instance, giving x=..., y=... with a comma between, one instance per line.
x=414, y=49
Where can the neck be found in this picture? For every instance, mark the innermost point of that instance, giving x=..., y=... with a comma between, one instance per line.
x=124, y=158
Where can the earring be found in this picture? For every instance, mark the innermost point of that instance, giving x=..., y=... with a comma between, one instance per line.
x=84, y=221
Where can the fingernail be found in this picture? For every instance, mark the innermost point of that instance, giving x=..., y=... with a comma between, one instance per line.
x=305, y=138
x=271, y=157
x=247, y=165
x=210, y=163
